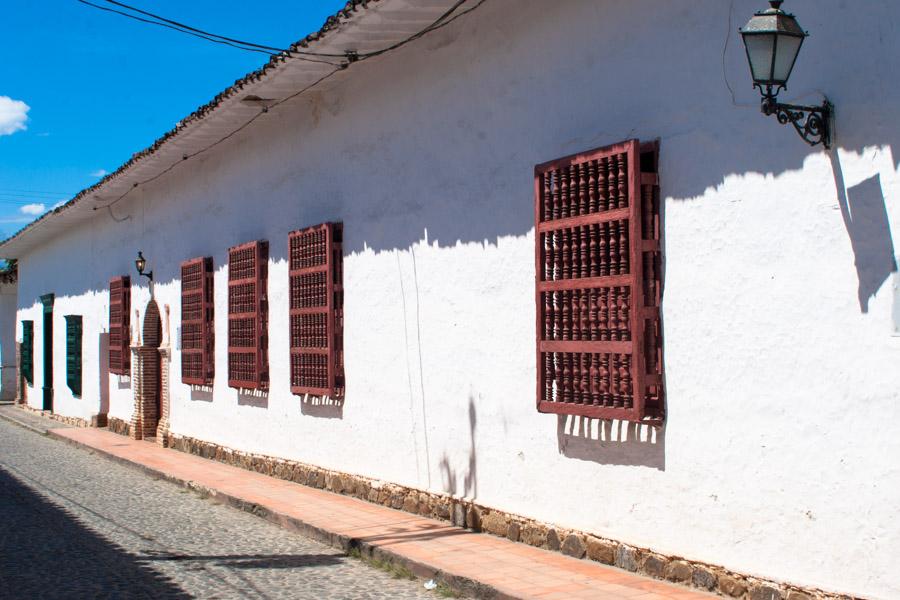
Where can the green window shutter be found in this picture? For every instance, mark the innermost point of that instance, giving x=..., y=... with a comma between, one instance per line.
x=27, y=350
x=73, y=353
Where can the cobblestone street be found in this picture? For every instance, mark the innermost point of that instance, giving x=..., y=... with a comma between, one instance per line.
x=77, y=525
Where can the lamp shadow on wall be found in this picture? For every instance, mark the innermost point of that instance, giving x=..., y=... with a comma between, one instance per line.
x=451, y=476
x=865, y=217
x=611, y=442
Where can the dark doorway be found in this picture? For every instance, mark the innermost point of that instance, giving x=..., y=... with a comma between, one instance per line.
x=47, y=301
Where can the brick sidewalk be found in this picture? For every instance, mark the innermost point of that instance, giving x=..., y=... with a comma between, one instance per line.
x=474, y=563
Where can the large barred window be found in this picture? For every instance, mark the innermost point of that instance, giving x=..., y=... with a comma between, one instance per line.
x=597, y=229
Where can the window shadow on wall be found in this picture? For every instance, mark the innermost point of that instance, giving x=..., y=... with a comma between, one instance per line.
x=865, y=216
x=48, y=553
x=201, y=393
x=322, y=407
x=611, y=442
x=257, y=398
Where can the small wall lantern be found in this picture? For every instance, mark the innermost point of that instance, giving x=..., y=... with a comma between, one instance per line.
x=772, y=39
x=140, y=263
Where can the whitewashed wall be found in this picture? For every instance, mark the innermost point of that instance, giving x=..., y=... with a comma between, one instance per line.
x=778, y=457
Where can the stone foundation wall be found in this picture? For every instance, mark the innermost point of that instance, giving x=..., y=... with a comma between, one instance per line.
x=96, y=420
x=119, y=426
x=476, y=517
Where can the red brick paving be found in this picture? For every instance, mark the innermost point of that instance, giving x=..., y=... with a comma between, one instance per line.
x=515, y=570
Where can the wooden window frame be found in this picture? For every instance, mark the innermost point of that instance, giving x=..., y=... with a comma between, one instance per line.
x=198, y=345
x=316, y=310
x=120, y=325
x=258, y=351
x=628, y=385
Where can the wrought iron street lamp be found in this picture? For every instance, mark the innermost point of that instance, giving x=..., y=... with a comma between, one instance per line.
x=140, y=263
x=773, y=39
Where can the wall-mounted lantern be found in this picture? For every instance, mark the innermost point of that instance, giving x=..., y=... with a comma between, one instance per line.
x=140, y=263
x=772, y=39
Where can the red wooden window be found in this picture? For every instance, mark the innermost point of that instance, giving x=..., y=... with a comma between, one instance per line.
x=248, y=316
x=317, y=310
x=120, y=325
x=197, y=339
x=597, y=251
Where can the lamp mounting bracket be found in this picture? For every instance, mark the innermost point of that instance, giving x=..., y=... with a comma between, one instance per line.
x=813, y=123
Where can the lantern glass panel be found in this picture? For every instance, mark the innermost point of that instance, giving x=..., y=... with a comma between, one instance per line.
x=760, y=48
x=786, y=53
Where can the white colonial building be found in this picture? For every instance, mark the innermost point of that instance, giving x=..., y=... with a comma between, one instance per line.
x=706, y=318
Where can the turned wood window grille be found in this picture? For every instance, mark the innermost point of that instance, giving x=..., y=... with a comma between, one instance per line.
x=73, y=353
x=27, y=352
x=197, y=313
x=597, y=250
x=248, y=316
x=317, y=310
x=120, y=325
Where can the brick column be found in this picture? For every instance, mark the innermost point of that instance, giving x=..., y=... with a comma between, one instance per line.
x=162, y=431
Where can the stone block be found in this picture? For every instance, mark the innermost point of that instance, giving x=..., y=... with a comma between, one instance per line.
x=703, y=578
x=473, y=518
x=411, y=502
x=458, y=514
x=425, y=504
x=765, y=592
x=628, y=558
x=495, y=522
x=534, y=535
x=574, y=545
x=513, y=531
x=553, y=540
x=798, y=595
x=442, y=509
x=655, y=565
x=732, y=586
x=601, y=550
x=679, y=570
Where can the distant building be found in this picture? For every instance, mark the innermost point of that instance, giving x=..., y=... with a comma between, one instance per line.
x=694, y=355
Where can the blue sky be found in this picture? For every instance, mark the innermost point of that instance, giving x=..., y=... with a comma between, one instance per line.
x=81, y=90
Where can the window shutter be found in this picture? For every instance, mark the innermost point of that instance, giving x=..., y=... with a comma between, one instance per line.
x=73, y=353
x=317, y=310
x=197, y=339
x=120, y=325
x=598, y=284
x=27, y=350
x=248, y=314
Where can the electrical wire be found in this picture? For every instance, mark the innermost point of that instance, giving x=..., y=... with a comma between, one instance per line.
x=442, y=21
x=198, y=33
x=262, y=48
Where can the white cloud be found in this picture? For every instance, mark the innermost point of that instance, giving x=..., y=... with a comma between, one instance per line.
x=99, y=173
x=33, y=209
x=58, y=204
x=13, y=115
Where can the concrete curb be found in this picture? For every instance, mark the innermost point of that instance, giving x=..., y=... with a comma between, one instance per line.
x=458, y=583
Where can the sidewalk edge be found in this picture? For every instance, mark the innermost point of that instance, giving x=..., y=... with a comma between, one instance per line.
x=458, y=583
